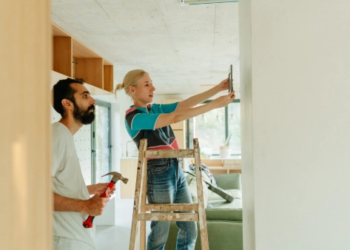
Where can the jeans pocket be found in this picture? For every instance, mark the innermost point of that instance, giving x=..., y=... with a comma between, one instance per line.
x=159, y=169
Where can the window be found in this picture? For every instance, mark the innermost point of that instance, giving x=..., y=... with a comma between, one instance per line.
x=101, y=143
x=213, y=128
x=234, y=127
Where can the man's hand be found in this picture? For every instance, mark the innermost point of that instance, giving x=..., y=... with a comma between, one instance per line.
x=95, y=205
x=99, y=188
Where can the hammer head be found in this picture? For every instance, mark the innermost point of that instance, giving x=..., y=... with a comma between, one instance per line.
x=117, y=176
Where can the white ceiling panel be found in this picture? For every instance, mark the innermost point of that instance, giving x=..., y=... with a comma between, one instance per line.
x=182, y=47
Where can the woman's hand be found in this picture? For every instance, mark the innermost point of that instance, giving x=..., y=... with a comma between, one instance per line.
x=223, y=85
x=224, y=100
x=99, y=188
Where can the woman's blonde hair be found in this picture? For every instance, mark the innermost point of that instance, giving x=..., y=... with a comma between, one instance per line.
x=130, y=79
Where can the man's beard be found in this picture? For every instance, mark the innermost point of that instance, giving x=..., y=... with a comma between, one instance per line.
x=84, y=116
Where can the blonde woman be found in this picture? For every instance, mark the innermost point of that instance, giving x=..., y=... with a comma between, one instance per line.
x=166, y=181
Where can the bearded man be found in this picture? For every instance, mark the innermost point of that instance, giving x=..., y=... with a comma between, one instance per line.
x=72, y=202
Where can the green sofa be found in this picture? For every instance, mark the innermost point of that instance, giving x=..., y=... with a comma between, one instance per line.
x=224, y=220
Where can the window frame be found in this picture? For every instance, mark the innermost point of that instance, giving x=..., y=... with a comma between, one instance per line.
x=93, y=141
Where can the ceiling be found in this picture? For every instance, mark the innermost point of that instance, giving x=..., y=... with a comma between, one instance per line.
x=185, y=49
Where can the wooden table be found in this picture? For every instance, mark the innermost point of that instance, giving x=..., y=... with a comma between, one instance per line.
x=222, y=166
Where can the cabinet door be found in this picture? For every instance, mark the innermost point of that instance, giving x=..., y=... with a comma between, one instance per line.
x=178, y=125
x=128, y=168
x=179, y=134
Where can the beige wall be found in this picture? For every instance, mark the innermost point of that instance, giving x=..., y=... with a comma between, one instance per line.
x=24, y=128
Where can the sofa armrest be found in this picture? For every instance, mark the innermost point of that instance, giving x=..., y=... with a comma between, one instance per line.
x=228, y=181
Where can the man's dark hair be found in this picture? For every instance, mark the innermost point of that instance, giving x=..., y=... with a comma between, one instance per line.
x=62, y=90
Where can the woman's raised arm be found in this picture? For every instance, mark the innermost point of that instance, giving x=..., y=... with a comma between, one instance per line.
x=184, y=114
x=196, y=99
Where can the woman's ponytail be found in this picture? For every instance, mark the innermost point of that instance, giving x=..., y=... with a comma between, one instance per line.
x=130, y=79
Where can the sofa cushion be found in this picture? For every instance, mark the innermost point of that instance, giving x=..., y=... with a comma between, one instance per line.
x=229, y=181
x=220, y=209
x=235, y=193
x=218, y=202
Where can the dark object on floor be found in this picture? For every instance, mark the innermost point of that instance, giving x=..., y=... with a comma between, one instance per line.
x=216, y=189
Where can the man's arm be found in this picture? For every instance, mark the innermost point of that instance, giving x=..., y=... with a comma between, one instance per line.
x=196, y=99
x=93, y=206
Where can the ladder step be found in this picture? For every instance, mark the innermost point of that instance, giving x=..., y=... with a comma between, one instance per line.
x=175, y=153
x=172, y=207
x=168, y=217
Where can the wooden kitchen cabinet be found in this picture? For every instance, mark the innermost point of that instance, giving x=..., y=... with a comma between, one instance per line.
x=180, y=137
x=128, y=168
x=72, y=58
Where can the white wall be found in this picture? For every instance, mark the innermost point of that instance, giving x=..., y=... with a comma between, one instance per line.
x=295, y=91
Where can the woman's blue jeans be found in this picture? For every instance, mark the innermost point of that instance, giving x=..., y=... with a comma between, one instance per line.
x=166, y=183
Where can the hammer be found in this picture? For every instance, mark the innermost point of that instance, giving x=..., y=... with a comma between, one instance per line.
x=116, y=176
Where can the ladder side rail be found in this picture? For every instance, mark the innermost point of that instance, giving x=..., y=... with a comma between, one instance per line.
x=201, y=208
x=143, y=200
x=138, y=185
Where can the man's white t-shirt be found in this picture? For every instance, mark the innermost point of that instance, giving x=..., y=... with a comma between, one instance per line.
x=68, y=182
